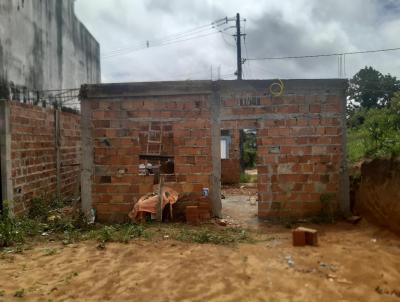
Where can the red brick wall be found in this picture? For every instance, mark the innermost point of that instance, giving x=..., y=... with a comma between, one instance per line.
x=299, y=149
x=299, y=140
x=33, y=153
x=120, y=129
x=230, y=171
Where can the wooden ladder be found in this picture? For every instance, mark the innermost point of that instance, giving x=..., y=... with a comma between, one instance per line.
x=154, y=137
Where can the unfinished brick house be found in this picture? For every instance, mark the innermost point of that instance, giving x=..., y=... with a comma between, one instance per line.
x=300, y=142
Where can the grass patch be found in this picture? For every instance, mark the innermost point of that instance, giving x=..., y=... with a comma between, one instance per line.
x=9, y=231
x=20, y=293
x=50, y=252
x=38, y=227
x=204, y=234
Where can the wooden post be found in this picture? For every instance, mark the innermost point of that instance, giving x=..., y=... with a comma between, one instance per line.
x=160, y=198
x=58, y=153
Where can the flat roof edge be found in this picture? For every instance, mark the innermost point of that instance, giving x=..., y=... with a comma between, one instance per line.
x=171, y=88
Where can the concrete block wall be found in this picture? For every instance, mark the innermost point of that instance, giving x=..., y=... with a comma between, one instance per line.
x=32, y=154
x=119, y=128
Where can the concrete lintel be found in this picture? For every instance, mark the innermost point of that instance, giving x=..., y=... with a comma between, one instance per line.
x=279, y=116
x=154, y=119
x=146, y=89
x=305, y=86
x=5, y=149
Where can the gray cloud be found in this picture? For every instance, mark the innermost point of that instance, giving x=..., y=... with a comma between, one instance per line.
x=297, y=27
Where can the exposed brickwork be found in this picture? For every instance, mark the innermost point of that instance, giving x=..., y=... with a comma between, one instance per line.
x=299, y=140
x=230, y=171
x=299, y=149
x=33, y=153
x=120, y=133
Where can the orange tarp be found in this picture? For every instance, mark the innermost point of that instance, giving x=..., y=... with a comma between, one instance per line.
x=149, y=202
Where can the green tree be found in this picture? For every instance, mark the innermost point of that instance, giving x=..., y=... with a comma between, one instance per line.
x=371, y=89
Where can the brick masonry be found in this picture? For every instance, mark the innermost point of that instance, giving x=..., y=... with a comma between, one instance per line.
x=120, y=129
x=300, y=140
x=300, y=143
x=33, y=153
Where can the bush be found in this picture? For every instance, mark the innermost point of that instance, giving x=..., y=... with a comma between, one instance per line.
x=378, y=135
x=39, y=209
x=9, y=232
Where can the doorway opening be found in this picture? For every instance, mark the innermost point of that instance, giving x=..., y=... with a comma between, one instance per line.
x=239, y=176
x=248, y=156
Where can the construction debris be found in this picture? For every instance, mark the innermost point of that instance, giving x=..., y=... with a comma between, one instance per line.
x=354, y=219
x=221, y=222
x=149, y=202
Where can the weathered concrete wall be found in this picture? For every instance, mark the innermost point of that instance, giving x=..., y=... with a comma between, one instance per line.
x=300, y=141
x=30, y=153
x=44, y=46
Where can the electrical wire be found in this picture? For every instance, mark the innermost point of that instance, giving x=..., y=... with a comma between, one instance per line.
x=245, y=47
x=164, y=44
x=171, y=39
x=325, y=55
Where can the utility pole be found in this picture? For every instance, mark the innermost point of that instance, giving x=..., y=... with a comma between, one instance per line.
x=238, y=37
x=238, y=47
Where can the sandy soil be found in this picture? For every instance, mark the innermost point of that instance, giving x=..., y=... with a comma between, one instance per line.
x=350, y=263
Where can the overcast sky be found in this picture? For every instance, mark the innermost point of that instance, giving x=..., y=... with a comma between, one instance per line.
x=273, y=28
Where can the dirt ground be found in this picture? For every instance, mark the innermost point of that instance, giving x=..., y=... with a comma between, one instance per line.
x=352, y=263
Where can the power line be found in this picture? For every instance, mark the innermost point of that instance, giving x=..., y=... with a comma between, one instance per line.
x=324, y=55
x=245, y=47
x=154, y=43
x=193, y=33
x=162, y=45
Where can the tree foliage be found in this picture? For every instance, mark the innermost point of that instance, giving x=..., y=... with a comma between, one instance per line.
x=378, y=134
x=249, y=149
x=371, y=89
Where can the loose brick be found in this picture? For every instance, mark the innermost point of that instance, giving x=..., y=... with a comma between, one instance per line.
x=192, y=215
x=299, y=237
